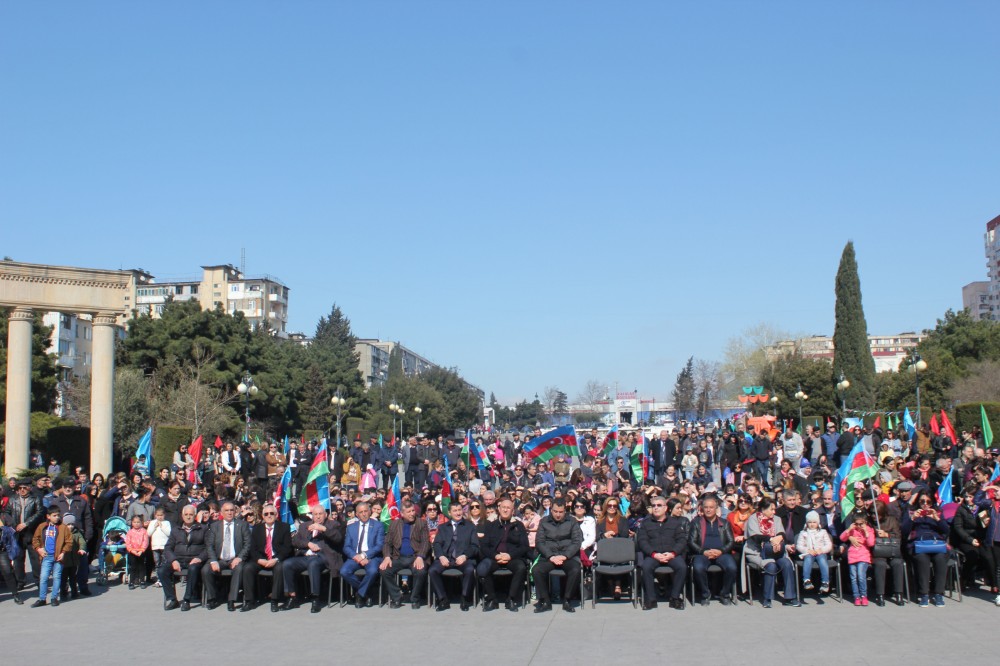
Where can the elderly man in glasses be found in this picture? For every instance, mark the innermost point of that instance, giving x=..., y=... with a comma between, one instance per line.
x=270, y=546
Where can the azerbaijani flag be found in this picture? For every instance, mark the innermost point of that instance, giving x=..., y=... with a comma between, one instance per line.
x=946, y=491
x=640, y=459
x=996, y=472
x=195, y=451
x=558, y=442
x=987, y=430
x=473, y=454
x=283, y=497
x=446, y=488
x=909, y=425
x=610, y=441
x=317, y=486
x=859, y=466
x=948, y=428
x=390, y=511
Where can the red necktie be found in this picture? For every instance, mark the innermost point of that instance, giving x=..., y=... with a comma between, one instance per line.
x=268, y=551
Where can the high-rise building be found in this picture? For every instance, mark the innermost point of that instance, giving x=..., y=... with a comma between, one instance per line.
x=992, y=243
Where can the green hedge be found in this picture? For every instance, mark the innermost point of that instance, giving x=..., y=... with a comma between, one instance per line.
x=968, y=415
x=70, y=443
x=167, y=439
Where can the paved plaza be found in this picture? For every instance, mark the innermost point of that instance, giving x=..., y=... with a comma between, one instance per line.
x=120, y=627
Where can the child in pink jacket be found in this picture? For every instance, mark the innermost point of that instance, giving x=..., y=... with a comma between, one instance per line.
x=861, y=539
x=136, y=544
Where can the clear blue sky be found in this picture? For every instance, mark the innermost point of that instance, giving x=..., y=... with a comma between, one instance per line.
x=539, y=193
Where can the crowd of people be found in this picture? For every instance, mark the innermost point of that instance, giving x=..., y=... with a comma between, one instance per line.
x=750, y=506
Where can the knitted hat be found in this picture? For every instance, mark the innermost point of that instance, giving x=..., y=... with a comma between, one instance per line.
x=812, y=517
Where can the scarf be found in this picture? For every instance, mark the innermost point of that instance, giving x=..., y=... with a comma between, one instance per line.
x=766, y=525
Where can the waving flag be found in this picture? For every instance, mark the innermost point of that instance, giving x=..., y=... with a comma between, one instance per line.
x=317, y=485
x=145, y=448
x=640, y=459
x=390, y=511
x=287, y=447
x=911, y=428
x=948, y=428
x=946, y=491
x=559, y=442
x=218, y=442
x=475, y=456
x=859, y=466
x=610, y=441
x=195, y=451
x=935, y=428
x=987, y=430
x=283, y=497
x=996, y=472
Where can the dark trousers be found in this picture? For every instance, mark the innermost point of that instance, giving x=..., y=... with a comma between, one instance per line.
x=294, y=566
x=518, y=569
x=419, y=578
x=468, y=569
x=700, y=564
x=82, y=572
x=389, y=477
x=7, y=571
x=879, y=567
x=649, y=565
x=136, y=568
x=922, y=562
x=541, y=572
x=33, y=559
x=787, y=569
x=250, y=578
x=974, y=556
x=166, y=576
x=210, y=580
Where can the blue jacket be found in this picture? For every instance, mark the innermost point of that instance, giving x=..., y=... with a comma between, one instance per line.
x=376, y=539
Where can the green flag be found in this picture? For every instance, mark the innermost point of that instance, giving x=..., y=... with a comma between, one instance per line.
x=987, y=430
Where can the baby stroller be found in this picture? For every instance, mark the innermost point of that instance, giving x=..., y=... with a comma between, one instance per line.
x=111, y=555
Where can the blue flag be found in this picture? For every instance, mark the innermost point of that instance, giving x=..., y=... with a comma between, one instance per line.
x=145, y=448
x=283, y=496
x=286, y=449
x=945, y=493
x=911, y=427
x=996, y=472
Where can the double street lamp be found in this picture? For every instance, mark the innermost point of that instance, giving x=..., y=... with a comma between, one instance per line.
x=397, y=410
x=247, y=388
x=916, y=368
x=338, y=401
x=842, y=387
x=801, y=397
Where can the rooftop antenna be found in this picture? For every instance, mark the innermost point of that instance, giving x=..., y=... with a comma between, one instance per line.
x=243, y=261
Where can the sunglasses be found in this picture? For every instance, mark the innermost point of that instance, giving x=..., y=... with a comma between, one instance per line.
x=579, y=506
x=475, y=506
x=270, y=513
x=430, y=509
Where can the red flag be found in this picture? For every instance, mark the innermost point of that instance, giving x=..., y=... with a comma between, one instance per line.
x=878, y=422
x=218, y=442
x=195, y=451
x=935, y=428
x=948, y=429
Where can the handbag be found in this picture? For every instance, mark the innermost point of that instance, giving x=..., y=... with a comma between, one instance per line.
x=887, y=547
x=930, y=546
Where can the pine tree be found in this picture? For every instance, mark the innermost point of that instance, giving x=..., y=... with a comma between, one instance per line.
x=852, y=353
x=684, y=390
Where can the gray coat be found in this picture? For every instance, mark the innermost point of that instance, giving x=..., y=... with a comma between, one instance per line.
x=563, y=538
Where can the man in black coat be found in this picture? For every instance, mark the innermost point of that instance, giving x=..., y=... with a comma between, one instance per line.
x=185, y=549
x=270, y=546
x=663, y=451
x=456, y=546
x=558, y=541
x=663, y=539
x=711, y=542
x=504, y=544
x=24, y=512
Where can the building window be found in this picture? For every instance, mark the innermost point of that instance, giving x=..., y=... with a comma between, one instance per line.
x=194, y=289
x=178, y=290
x=234, y=288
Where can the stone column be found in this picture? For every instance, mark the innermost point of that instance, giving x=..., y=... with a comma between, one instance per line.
x=18, y=434
x=102, y=390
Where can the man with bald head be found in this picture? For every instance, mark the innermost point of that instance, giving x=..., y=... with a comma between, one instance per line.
x=228, y=545
x=185, y=549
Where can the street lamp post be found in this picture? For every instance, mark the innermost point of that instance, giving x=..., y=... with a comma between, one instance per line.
x=842, y=387
x=801, y=397
x=918, y=366
x=402, y=413
x=774, y=403
x=417, y=411
x=247, y=388
x=393, y=407
x=338, y=402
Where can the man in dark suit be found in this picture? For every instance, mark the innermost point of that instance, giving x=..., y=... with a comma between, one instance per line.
x=270, y=546
x=456, y=546
x=504, y=544
x=363, y=548
x=228, y=546
x=407, y=545
x=318, y=545
x=663, y=451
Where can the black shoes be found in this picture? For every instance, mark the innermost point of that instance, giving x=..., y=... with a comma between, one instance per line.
x=212, y=604
x=185, y=605
x=490, y=605
x=170, y=605
x=442, y=606
x=38, y=604
x=766, y=603
x=568, y=607
x=792, y=603
x=543, y=606
x=55, y=601
x=317, y=606
x=275, y=606
x=648, y=605
x=511, y=605
x=704, y=602
x=230, y=606
x=898, y=599
x=395, y=604
x=248, y=606
x=18, y=600
x=879, y=600
x=725, y=601
x=416, y=604
x=292, y=603
x=370, y=602
x=465, y=605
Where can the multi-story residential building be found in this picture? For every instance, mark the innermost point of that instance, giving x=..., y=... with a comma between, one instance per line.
x=263, y=300
x=976, y=299
x=888, y=351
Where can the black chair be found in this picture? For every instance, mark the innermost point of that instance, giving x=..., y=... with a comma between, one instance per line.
x=504, y=572
x=224, y=583
x=613, y=557
x=454, y=574
x=835, y=572
x=383, y=594
x=359, y=574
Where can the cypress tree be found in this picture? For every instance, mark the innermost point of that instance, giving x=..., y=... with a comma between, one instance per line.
x=852, y=354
